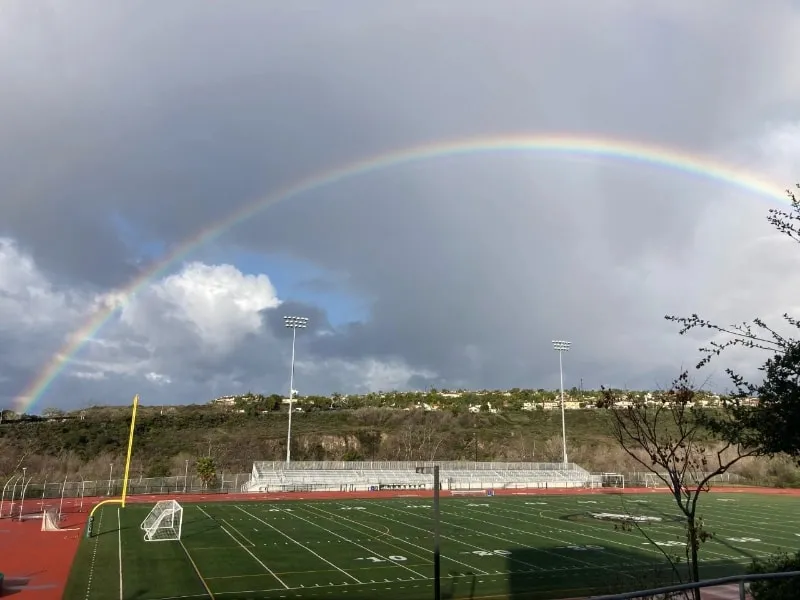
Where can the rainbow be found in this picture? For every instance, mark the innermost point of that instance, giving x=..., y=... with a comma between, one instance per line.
x=554, y=144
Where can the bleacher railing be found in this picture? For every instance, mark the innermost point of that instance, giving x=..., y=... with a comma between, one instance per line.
x=273, y=476
x=412, y=464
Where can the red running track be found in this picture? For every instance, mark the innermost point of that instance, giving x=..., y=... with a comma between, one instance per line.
x=36, y=563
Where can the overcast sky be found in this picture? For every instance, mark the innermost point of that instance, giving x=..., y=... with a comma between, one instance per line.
x=126, y=128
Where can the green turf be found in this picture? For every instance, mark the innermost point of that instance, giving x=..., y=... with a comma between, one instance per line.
x=498, y=547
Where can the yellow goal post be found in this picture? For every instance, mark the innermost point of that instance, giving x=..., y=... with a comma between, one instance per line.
x=121, y=500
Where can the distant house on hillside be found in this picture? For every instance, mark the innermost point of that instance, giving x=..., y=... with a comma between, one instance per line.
x=226, y=400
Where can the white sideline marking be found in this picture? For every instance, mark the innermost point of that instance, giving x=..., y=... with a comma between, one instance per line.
x=298, y=543
x=258, y=560
x=94, y=555
x=119, y=548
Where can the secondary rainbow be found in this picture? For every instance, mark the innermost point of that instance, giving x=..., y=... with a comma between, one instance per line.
x=553, y=144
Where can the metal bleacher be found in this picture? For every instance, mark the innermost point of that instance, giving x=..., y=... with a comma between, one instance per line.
x=309, y=476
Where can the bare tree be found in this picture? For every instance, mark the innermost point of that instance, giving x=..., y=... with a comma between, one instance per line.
x=667, y=437
x=771, y=422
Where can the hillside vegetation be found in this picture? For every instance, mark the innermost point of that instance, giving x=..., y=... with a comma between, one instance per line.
x=86, y=443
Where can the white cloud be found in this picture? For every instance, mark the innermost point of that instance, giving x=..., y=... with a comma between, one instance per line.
x=360, y=376
x=28, y=300
x=91, y=375
x=158, y=378
x=200, y=313
x=216, y=305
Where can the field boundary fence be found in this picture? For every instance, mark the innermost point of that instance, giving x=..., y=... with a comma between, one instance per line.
x=648, y=479
x=16, y=493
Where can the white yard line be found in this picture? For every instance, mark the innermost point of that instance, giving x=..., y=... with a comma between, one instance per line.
x=245, y=548
x=578, y=532
x=294, y=541
x=240, y=534
x=667, y=528
x=335, y=517
x=463, y=543
x=119, y=548
x=325, y=529
x=463, y=564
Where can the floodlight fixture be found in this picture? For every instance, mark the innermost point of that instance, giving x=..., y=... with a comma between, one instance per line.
x=295, y=322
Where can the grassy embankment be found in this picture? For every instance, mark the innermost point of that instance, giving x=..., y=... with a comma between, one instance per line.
x=165, y=441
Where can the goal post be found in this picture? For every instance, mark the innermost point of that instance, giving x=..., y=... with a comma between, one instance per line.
x=164, y=522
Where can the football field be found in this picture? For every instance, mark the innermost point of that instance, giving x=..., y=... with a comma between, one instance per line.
x=525, y=546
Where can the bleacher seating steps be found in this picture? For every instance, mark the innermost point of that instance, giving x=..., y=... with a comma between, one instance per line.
x=454, y=475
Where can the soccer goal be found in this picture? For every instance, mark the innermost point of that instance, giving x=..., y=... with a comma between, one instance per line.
x=164, y=522
x=652, y=481
x=613, y=480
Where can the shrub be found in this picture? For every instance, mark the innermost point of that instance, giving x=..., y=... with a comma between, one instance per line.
x=776, y=589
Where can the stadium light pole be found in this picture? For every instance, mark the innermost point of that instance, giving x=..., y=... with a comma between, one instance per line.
x=562, y=346
x=293, y=323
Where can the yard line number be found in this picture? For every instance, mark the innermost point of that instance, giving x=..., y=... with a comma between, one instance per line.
x=666, y=544
x=581, y=548
x=393, y=558
x=488, y=552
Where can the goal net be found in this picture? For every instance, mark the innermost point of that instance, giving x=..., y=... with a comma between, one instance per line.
x=51, y=520
x=164, y=522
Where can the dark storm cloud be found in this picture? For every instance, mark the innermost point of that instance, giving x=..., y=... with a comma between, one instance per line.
x=175, y=116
